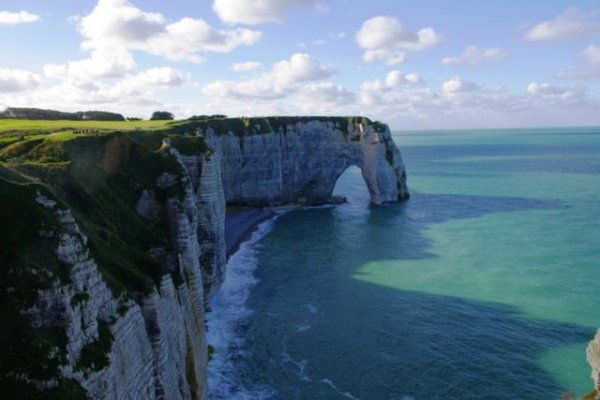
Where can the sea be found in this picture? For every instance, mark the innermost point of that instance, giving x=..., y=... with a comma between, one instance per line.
x=483, y=285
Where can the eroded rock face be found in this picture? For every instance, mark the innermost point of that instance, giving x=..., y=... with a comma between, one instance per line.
x=593, y=358
x=206, y=178
x=156, y=345
x=158, y=348
x=302, y=164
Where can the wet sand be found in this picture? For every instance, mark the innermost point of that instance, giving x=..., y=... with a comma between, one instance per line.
x=240, y=224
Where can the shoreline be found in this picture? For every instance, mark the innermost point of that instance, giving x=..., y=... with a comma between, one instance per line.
x=228, y=308
x=239, y=226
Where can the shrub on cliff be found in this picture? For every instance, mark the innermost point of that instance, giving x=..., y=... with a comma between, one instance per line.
x=205, y=117
x=161, y=116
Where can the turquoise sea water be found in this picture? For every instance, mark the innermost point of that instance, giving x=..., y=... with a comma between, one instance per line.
x=484, y=285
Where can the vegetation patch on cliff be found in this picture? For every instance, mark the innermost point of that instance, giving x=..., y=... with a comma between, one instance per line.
x=99, y=174
x=94, y=356
x=101, y=178
x=16, y=130
x=28, y=266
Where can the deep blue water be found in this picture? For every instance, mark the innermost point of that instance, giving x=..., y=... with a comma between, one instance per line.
x=482, y=286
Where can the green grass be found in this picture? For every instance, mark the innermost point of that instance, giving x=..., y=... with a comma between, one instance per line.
x=12, y=130
x=100, y=178
x=28, y=263
x=94, y=356
x=103, y=183
x=12, y=126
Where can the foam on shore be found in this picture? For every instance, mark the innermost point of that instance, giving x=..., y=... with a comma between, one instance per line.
x=228, y=315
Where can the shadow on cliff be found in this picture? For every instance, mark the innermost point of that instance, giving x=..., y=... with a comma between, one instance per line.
x=375, y=341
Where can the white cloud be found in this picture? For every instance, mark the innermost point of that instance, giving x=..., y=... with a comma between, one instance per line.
x=133, y=94
x=458, y=85
x=16, y=18
x=414, y=79
x=384, y=39
x=373, y=86
x=299, y=68
x=164, y=77
x=337, y=35
x=282, y=79
x=404, y=106
x=572, y=24
x=141, y=85
x=119, y=24
x=132, y=88
x=322, y=42
x=591, y=56
x=420, y=107
x=255, y=11
x=392, y=80
x=16, y=80
x=103, y=63
x=246, y=66
x=110, y=76
x=550, y=92
x=396, y=78
x=473, y=56
x=326, y=92
x=587, y=73
x=322, y=8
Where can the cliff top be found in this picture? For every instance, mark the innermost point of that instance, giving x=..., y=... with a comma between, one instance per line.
x=98, y=170
x=14, y=130
x=121, y=184
x=99, y=179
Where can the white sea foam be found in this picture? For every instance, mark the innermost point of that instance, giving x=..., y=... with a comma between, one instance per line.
x=300, y=365
x=303, y=328
x=230, y=313
x=311, y=308
x=347, y=395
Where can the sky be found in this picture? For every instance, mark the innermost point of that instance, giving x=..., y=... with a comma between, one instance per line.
x=431, y=64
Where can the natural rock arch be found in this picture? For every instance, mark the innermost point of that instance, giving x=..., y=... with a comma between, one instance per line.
x=346, y=181
x=301, y=164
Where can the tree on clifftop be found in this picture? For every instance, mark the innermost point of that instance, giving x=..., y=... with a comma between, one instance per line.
x=161, y=115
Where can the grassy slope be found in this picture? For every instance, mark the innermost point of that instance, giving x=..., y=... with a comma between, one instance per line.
x=100, y=178
x=12, y=129
x=41, y=126
x=27, y=261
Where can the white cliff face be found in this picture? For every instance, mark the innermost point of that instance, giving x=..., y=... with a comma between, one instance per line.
x=303, y=163
x=593, y=358
x=60, y=306
x=205, y=175
x=156, y=345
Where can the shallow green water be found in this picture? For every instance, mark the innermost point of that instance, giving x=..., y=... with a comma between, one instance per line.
x=482, y=285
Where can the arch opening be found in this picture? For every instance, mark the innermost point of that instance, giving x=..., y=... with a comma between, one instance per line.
x=352, y=186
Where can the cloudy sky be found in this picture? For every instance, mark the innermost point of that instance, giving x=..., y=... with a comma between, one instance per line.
x=415, y=65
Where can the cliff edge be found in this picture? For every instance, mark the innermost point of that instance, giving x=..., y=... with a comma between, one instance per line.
x=113, y=241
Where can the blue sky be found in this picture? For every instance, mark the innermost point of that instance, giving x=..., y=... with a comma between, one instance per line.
x=415, y=65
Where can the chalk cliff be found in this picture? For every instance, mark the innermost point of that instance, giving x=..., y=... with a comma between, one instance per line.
x=301, y=162
x=116, y=241
x=593, y=358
